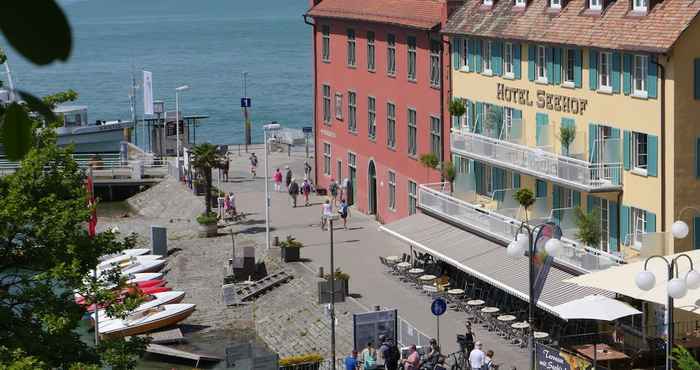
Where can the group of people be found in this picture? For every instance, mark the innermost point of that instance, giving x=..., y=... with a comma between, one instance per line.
x=390, y=357
x=292, y=186
x=478, y=359
x=230, y=206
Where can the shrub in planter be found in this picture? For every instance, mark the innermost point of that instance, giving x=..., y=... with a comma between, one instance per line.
x=289, y=249
x=311, y=360
x=208, y=225
x=343, y=277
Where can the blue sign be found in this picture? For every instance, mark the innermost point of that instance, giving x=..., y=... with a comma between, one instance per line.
x=307, y=129
x=438, y=307
x=245, y=102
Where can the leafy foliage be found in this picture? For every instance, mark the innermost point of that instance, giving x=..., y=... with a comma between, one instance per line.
x=457, y=108
x=17, y=130
x=588, y=225
x=206, y=157
x=429, y=160
x=122, y=354
x=684, y=359
x=291, y=242
x=449, y=172
x=525, y=198
x=61, y=97
x=207, y=219
x=567, y=135
x=300, y=359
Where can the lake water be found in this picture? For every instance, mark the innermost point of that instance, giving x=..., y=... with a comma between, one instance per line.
x=206, y=44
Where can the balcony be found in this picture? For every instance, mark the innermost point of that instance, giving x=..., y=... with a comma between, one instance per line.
x=566, y=171
x=500, y=224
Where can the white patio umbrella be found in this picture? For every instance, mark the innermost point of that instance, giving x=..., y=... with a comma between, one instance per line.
x=595, y=307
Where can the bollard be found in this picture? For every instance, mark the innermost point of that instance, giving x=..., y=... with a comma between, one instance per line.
x=276, y=241
x=320, y=271
x=377, y=308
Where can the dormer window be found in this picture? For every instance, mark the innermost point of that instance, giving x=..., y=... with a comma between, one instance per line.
x=555, y=4
x=640, y=5
x=520, y=3
x=488, y=2
x=595, y=4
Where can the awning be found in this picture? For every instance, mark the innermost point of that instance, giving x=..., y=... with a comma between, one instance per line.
x=620, y=279
x=484, y=260
x=596, y=307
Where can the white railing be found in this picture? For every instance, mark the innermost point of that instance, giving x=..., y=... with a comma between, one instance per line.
x=561, y=169
x=106, y=168
x=434, y=198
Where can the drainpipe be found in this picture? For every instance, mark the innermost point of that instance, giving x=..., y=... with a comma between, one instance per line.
x=662, y=101
x=446, y=70
x=315, y=169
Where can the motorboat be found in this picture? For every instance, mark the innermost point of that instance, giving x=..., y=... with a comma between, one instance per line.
x=132, y=252
x=97, y=137
x=147, y=320
x=135, y=265
x=124, y=258
x=143, y=277
x=152, y=300
x=144, y=280
x=149, y=290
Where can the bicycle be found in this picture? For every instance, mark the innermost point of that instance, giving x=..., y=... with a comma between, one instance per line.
x=459, y=360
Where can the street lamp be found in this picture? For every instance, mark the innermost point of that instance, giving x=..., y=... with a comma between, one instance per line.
x=178, y=90
x=526, y=241
x=675, y=288
x=266, y=128
x=330, y=218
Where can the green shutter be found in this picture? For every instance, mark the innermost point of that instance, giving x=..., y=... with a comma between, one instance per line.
x=540, y=189
x=651, y=222
x=612, y=226
x=592, y=69
x=625, y=224
x=590, y=203
x=471, y=54
x=696, y=232
x=496, y=60
x=478, y=175
x=478, y=118
x=497, y=179
x=576, y=195
x=626, y=141
x=477, y=60
x=556, y=62
x=542, y=121
x=651, y=76
x=516, y=61
x=516, y=181
x=652, y=154
x=697, y=158
x=592, y=132
x=556, y=203
x=549, y=55
x=616, y=175
x=531, y=62
x=578, y=56
x=456, y=51
x=616, y=72
x=696, y=78
x=626, y=74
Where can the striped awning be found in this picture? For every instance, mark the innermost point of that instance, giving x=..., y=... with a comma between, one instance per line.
x=485, y=260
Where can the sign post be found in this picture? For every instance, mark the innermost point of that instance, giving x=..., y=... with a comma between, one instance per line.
x=438, y=307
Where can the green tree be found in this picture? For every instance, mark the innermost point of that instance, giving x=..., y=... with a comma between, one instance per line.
x=46, y=256
x=684, y=359
x=449, y=173
x=457, y=108
x=588, y=227
x=206, y=157
x=525, y=198
x=567, y=135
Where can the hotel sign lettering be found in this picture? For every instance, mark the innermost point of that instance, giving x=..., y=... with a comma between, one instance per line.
x=544, y=100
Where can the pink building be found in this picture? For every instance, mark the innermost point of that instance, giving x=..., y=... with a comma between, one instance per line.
x=378, y=85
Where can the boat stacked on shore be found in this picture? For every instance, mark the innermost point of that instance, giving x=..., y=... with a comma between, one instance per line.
x=161, y=306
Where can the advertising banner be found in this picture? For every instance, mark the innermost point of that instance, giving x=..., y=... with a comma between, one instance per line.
x=549, y=358
x=147, y=93
x=543, y=261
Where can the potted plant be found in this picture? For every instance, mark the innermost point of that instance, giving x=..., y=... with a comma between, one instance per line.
x=567, y=134
x=206, y=157
x=289, y=249
x=311, y=361
x=457, y=110
x=344, y=279
x=588, y=227
x=208, y=225
x=429, y=161
x=494, y=121
x=199, y=187
x=525, y=198
x=449, y=173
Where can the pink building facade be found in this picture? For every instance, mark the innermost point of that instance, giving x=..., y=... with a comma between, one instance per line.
x=378, y=107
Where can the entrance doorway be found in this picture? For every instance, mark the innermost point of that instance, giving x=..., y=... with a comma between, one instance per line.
x=352, y=178
x=372, y=177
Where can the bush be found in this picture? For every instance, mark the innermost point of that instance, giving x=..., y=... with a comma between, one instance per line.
x=300, y=359
x=339, y=274
x=291, y=242
x=588, y=225
x=209, y=219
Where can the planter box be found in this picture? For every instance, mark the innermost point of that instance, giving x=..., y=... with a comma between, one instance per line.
x=199, y=189
x=303, y=366
x=290, y=254
x=207, y=231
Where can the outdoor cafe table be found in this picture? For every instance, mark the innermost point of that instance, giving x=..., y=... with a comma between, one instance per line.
x=475, y=302
x=490, y=310
x=403, y=265
x=506, y=318
x=455, y=292
x=520, y=325
x=540, y=335
x=393, y=259
x=603, y=352
x=427, y=278
x=416, y=271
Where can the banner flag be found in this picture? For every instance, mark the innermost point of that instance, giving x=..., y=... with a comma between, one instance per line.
x=543, y=261
x=147, y=93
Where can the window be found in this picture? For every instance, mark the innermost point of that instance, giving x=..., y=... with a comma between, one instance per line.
x=372, y=117
x=639, y=225
x=465, y=55
x=412, y=133
x=391, y=55
x=391, y=125
x=351, y=47
x=541, y=64
x=640, y=5
x=436, y=137
x=508, y=60
x=338, y=106
x=566, y=198
x=568, y=67
x=468, y=117
x=488, y=2
x=486, y=181
x=370, y=51
x=392, y=190
x=326, y=104
x=604, y=242
x=555, y=4
x=486, y=57
x=327, y=159
x=639, y=151
x=411, y=42
x=352, y=111
x=326, y=44
x=412, y=197
x=639, y=74
x=520, y=3
x=595, y=4
x=604, y=72
x=507, y=129
x=434, y=63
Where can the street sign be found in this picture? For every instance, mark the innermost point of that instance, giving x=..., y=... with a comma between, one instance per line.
x=307, y=129
x=245, y=102
x=438, y=307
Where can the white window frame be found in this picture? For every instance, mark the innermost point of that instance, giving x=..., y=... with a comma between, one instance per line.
x=467, y=120
x=595, y=4
x=371, y=52
x=391, y=180
x=487, y=180
x=339, y=106
x=569, y=65
x=507, y=123
x=434, y=65
x=436, y=136
x=604, y=225
x=638, y=226
x=372, y=117
x=326, y=159
x=487, y=49
x=412, y=197
x=412, y=119
x=391, y=125
x=605, y=71
x=326, y=104
x=520, y=3
x=351, y=48
x=508, y=66
x=640, y=5
x=326, y=43
x=640, y=152
x=639, y=75
x=541, y=64
x=411, y=56
x=391, y=54
x=465, y=55
x=352, y=111
x=566, y=197
x=555, y=4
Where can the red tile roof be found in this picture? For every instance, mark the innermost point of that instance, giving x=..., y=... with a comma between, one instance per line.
x=614, y=29
x=422, y=14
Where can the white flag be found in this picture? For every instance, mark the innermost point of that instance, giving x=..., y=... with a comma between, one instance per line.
x=147, y=93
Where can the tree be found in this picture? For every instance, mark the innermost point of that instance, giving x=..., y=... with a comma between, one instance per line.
x=567, y=134
x=525, y=198
x=429, y=161
x=684, y=359
x=46, y=253
x=588, y=227
x=457, y=108
x=206, y=157
x=449, y=172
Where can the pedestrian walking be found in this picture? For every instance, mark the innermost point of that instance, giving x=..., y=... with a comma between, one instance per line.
x=344, y=211
x=326, y=211
x=412, y=362
x=289, y=150
x=344, y=188
x=468, y=338
x=232, y=205
x=351, y=362
x=293, y=192
x=253, y=164
x=369, y=357
x=333, y=191
x=389, y=353
x=226, y=167
x=306, y=190
x=477, y=357
x=433, y=356
x=488, y=361
x=277, y=177
x=287, y=176
x=307, y=169
x=227, y=206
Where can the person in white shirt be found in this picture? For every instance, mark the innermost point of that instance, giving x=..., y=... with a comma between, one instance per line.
x=477, y=357
x=326, y=211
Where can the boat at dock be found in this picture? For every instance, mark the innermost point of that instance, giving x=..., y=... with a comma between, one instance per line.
x=152, y=301
x=146, y=321
x=98, y=137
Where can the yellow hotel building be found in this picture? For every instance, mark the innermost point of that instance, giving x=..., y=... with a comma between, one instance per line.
x=592, y=104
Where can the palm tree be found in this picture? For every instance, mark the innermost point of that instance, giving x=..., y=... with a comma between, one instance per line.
x=206, y=157
x=449, y=172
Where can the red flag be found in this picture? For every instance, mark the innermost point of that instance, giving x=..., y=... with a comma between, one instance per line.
x=92, y=222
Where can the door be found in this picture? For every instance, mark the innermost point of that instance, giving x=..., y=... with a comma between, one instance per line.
x=352, y=179
x=372, y=177
x=339, y=172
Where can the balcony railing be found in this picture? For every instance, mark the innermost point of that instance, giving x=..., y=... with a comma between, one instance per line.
x=575, y=173
x=435, y=199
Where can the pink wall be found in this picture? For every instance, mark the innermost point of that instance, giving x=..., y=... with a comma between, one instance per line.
x=418, y=95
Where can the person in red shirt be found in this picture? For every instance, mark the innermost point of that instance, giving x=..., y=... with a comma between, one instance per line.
x=413, y=360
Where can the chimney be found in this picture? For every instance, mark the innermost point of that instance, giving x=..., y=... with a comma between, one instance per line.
x=448, y=7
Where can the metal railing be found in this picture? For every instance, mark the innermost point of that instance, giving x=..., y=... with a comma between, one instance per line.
x=433, y=198
x=113, y=168
x=569, y=171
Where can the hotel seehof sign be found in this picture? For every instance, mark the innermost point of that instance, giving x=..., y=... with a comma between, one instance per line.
x=544, y=100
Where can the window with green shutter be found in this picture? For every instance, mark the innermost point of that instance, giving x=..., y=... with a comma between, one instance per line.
x=542, y=129
x=578, y=75
x=592, y=69
x=550, y=66
x=627, y=74
x=696, y=232
x=616, y=61
x=531, y=62
x=613, y=227
x=557, y=63
x=497, y=58
x=540, y=189
x=651, y=76
x=456, y=53
x=516, y=60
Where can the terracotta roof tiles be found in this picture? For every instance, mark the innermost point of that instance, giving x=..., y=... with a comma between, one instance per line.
x=423, y=14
